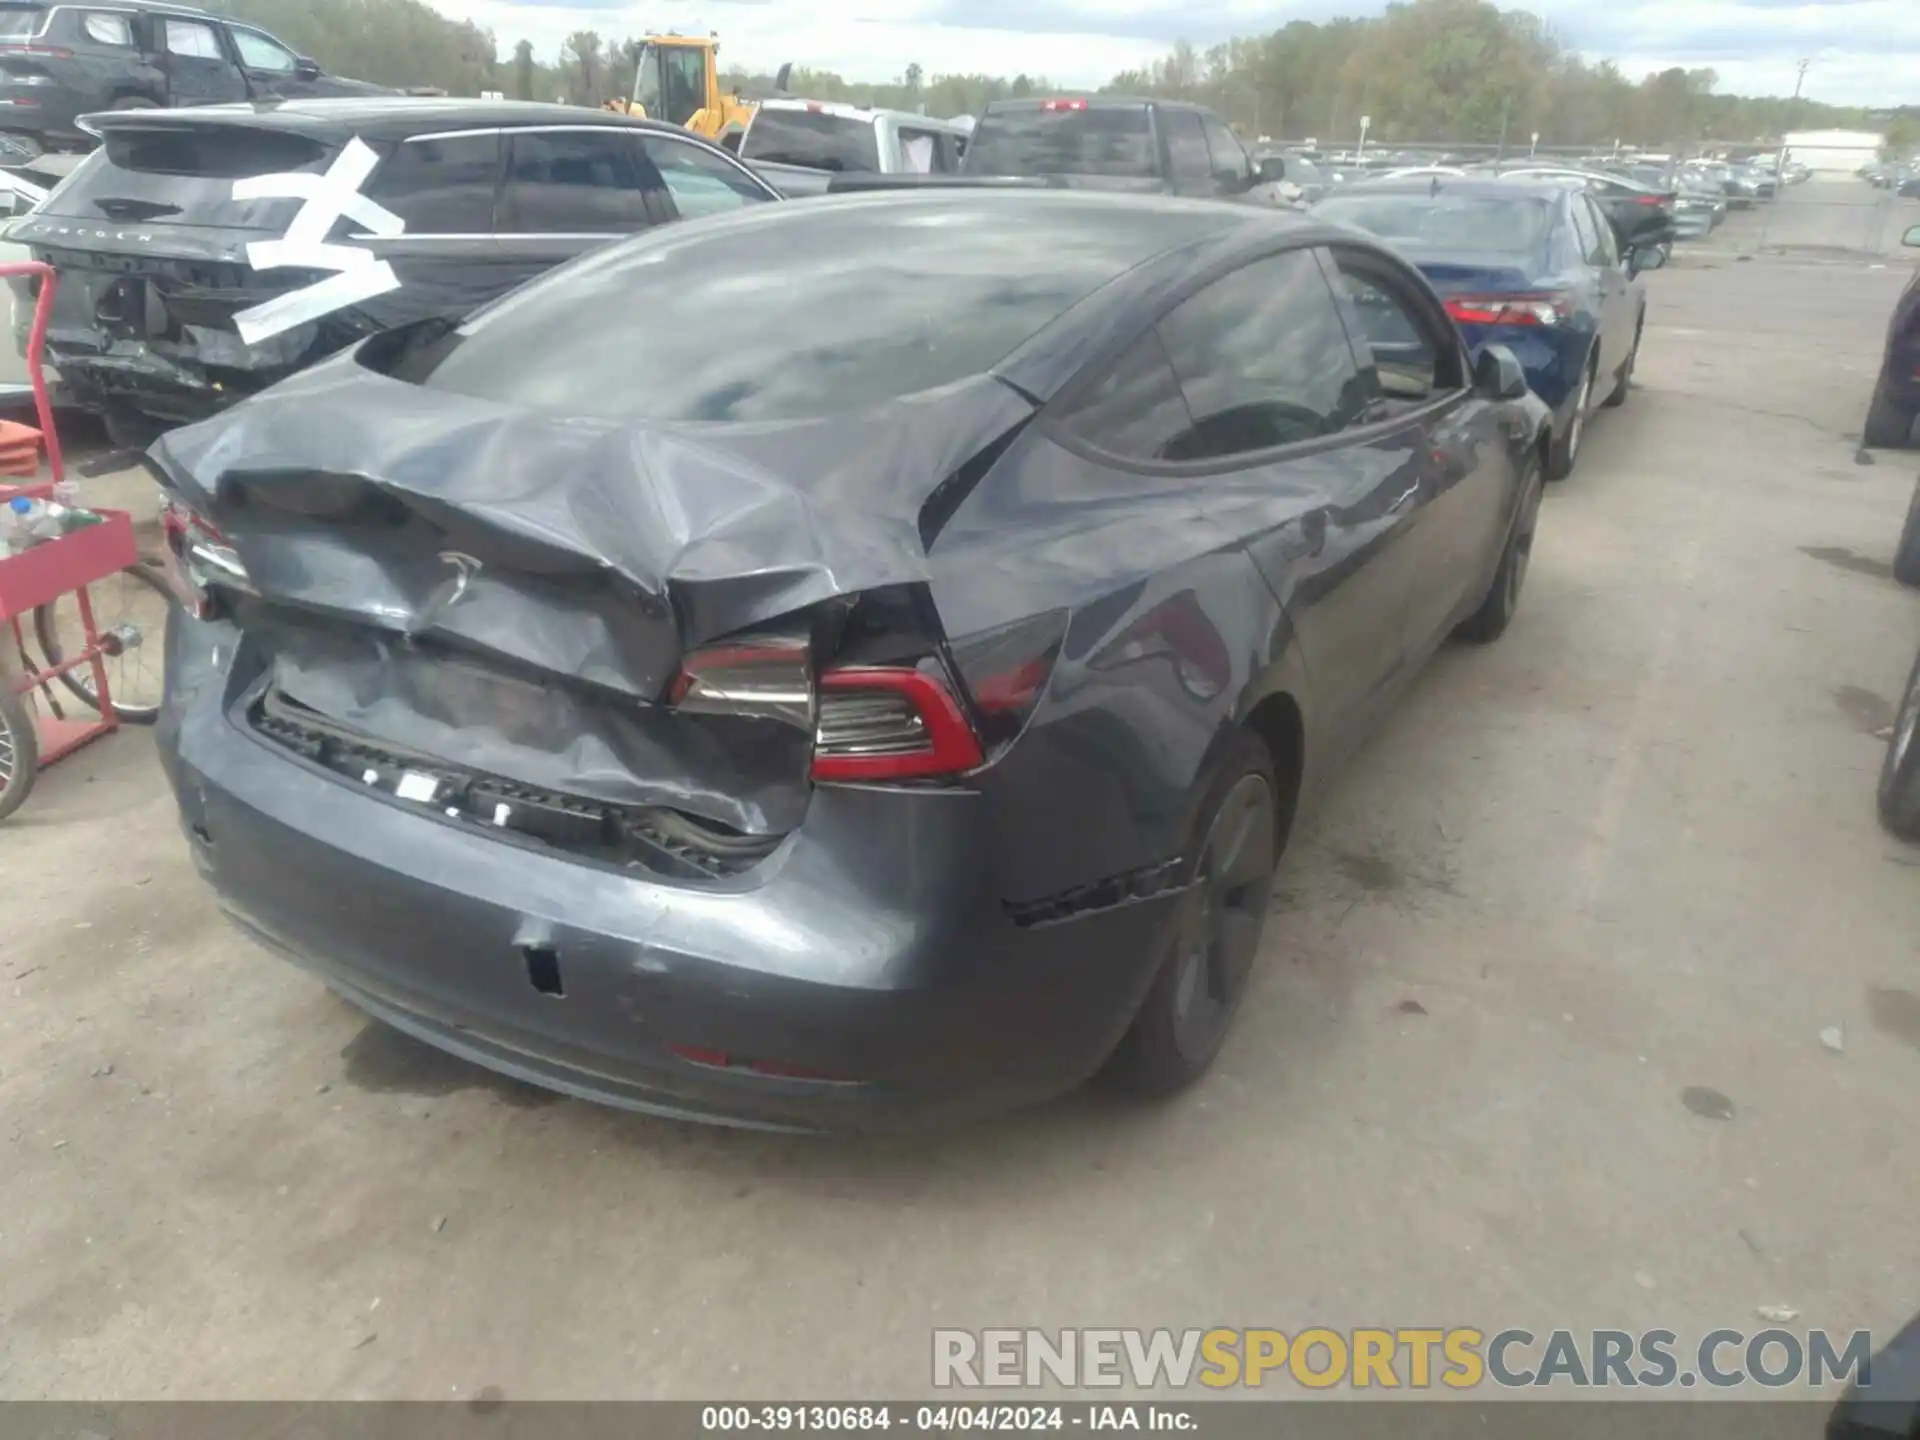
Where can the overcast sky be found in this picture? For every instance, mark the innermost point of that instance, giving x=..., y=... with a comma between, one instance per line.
x=1865, y=52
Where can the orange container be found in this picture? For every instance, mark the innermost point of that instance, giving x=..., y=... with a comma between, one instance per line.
x=19, y=449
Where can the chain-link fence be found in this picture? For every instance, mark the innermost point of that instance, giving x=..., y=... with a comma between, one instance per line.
x=1836, y=211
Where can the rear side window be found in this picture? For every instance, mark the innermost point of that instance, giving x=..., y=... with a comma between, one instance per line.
x=844, y=144
x=1503, y=225
x=1413, y=361
x=1115, y=140
x=921, y=151
x=1136, y=410
x=1585, y=235
x=795, y=311
x=441, y=187
x=184, y=176
x=1186, y=146
x=20, y=22
x=106, y=29
x=262, y=52
x=1229, y=158
x=575, y=182
x=698, y=181
x=1263, y=360
x=191, y=40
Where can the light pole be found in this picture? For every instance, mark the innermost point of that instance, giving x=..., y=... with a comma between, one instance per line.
x=1780, y=159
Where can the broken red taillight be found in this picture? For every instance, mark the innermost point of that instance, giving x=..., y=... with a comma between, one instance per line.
x=870, y=723
x=198, y=558
x=768, y=676
x=890, y=724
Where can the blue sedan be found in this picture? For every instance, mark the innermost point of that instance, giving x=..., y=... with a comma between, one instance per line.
x=1534, y=266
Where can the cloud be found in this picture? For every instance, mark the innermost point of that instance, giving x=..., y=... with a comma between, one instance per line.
x=1862, y=50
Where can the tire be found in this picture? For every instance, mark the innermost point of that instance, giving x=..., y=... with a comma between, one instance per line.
x=1565, y=451
x=1899, y=774
x=1215, y=935
x=1889, y=423
x=19, y=751
x=135, y=675
x=1490, y=621
x=1623, y=382
x=1906, y=556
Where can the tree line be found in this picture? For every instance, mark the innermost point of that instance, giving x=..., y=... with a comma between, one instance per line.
x=1427, y=70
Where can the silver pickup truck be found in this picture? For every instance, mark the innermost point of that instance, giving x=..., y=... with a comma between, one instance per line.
x=798, y=146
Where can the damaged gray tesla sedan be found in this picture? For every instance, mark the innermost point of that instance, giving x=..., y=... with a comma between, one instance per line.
x=837, y=665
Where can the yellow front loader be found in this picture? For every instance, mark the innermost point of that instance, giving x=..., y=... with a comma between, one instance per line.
x=677, y=79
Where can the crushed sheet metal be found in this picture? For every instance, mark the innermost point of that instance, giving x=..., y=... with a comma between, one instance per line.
x=397, y=523
x=327, y=199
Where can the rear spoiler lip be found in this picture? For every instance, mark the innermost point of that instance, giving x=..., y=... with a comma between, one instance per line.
x=854, y=184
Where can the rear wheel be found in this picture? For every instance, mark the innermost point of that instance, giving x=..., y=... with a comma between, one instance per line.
x=1216, y=930
x=1889, y=423
x=1490, y=621
x=1565, y=453
x=19, y=751
x=1906, y=558
x=1900, y=774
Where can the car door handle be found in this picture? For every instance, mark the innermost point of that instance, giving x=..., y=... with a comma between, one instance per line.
x=1404, y=499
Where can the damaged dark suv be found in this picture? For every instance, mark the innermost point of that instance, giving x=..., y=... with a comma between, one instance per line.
x=888, y=706
x=205, y=254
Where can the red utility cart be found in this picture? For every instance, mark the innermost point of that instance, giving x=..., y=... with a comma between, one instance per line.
x=33, y=732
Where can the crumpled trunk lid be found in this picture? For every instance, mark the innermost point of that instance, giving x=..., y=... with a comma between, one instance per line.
x=513, y=593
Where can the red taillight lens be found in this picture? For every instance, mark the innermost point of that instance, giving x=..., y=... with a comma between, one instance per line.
x=52, y=52
x=1063, y=104
x=890, y=724
x=198, y=557
x=1534, y=309
x=1650, y=200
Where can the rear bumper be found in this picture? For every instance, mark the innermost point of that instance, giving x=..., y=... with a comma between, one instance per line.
x=871, y=948
x=49, y=112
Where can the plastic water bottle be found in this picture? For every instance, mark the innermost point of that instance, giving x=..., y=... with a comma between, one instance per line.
x=49, y=521
x=67, y=492
x=16, y=524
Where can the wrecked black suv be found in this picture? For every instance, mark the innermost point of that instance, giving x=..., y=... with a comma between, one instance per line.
x=205, y=254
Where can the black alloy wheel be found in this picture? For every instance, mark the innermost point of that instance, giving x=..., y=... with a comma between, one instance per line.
x=1215, y=935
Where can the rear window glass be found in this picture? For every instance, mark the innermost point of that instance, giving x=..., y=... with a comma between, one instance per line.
x=813, y=137
x=1101, y=140
x=794, y=311
x=185, y=177
x=1457, y=222
x=18, y=22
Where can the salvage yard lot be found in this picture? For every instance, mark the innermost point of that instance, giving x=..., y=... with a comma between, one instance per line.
x=1624, y=858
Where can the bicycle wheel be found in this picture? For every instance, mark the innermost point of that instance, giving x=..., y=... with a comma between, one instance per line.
x=130, y=616
x=19, y=750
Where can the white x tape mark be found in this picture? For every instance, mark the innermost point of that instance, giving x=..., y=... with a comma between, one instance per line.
x=326, y=200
